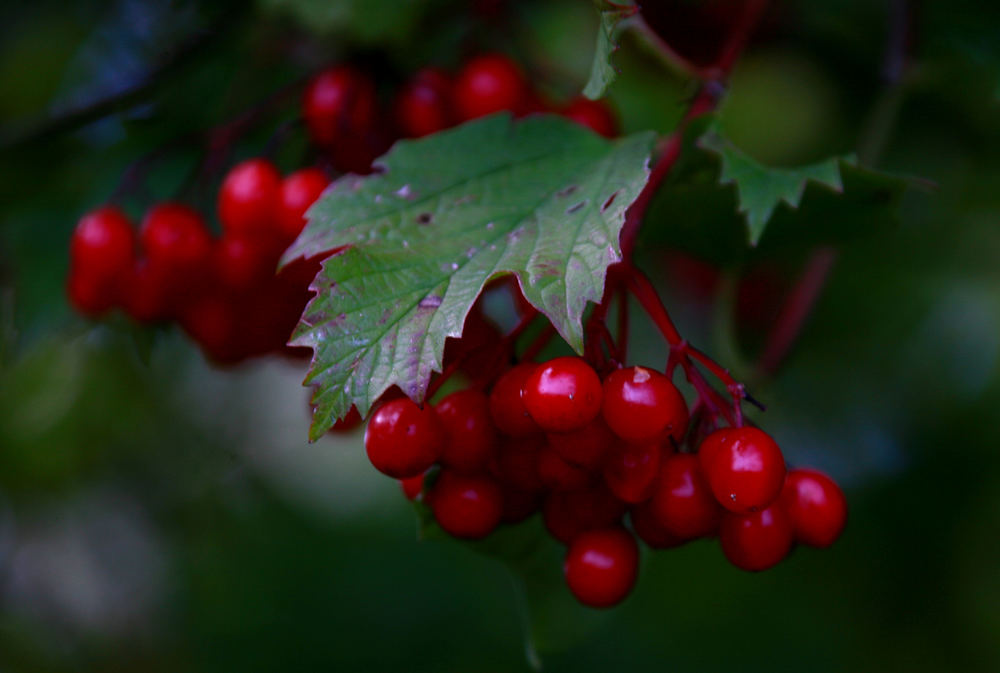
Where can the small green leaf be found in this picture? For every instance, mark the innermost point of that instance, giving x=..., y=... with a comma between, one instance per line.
x=543, y=199
x=602, y=72
x=760, y=189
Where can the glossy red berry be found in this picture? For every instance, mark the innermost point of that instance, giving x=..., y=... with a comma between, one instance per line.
x=594, y=114
x=640, y=404
x=424, y=105
x=563, y=394
x=145, y=293
x=470, y=438
x=297, y=193
x=242, y=262
x=558, y=475
x=601, y=566
x=506, y=406
x=248, y=198
x=683, y=502
x=516, y=463
x=466, y=506
x=412, y=486
x=403, y=439
x=566, y=514
x=631, y=470
x=816, y=507
x=174, y=238
x=756, y=540
x=89, y=295
x=212, y=323
x=102, y=247
x=745, y=469
x=339, y=104
x=487, y=84
x=585, y=447
x=649, y=529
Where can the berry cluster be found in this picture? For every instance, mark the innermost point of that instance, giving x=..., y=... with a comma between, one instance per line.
x=555, y=438
x=223, y=291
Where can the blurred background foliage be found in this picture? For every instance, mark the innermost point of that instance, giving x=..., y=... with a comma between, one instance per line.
x=157, y=513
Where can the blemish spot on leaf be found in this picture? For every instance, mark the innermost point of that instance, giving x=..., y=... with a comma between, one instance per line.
x=576, y=207
x=610, y=200
x=566, y=191
x=424, y=218
x=432, y=301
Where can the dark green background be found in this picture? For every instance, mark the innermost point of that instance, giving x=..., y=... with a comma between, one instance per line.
x=159, y=514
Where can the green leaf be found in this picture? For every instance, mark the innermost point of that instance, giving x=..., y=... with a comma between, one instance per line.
x=602, y=72
x=544, y=199
x=760, y=188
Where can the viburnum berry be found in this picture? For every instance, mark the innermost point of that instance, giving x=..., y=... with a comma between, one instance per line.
x=649, y=529
x=566, y=514
x=412, y=486
x=339, y=104
x=683, y=502
x=102, y=247
x=516, y=463
x=89, y=295
x=519, y=505
x=585, y=447
x=297, y=193
x=347, y=423
x=640, y=404
x=248, y=198
x=487, y=84
x=756, y=541
x=466, y=506
x=174, y=238
x=631, y=470
x=601, y=566
x=424, y=104
x=816, y=507
x=594, y=114
x=242, y=262
x=403, y=439
x=744, y=467
x=506, y=405
x=211, y=322
x=145, y=293
x=559, y=475
x=563, y=394
x=470, y=438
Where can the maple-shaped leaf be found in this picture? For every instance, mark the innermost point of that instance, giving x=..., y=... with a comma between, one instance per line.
x=602, y=71
x=542, y=198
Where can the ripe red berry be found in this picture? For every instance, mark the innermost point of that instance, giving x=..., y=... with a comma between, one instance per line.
x=211, y=322
x=594, y=114
x=585, y=447
x=558, y=475
x=466, y=506
x=745, y=469
x=640, y=404
x=403, y=439
x=102, y=247
x=712, y=444
x=487, y=84
x=516, y=464
x=339, y=104
x=424, y=105
x=348, y=423
x=242, y=262
x=649, y=529
x=506, y=406
x=297, y=193
x=470, y=438
x=601, y=566
x=567, y=514
x=89, y=295
x=683, y=503
x=563, y=394
x=145, y=293
x=248, y=198
x=630, y=471
x=519, y=505
x=175, y=239
x=756, y=540
x=816, y=507
x=412, y=486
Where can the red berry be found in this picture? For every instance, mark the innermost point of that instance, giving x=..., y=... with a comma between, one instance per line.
x=506, y=406
x=470, y=438
x=349, y=422
x=102, y=247
x=145, y=293
x=683, y=502
x=712, y=444
x=466, y=506
x=423, y=106
x=210, y=321
x=89, y=295
x=601, y=566
x=756, y=540
x=630, y=471
x=649, y=529
x=241, y=262
x=339, y=104
x=175, y=239
x=516, y=464
x=594, y=114
x=816, y=507
x=558, y=475
x=563, y=394
x=248, y=198
x=585, y=447
x=640, y=404
x=519, y=505
x=487, y=84
x=403, y=439
x=412, y=486
x=569, y=513
x=745, y=469
x=297, y=193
